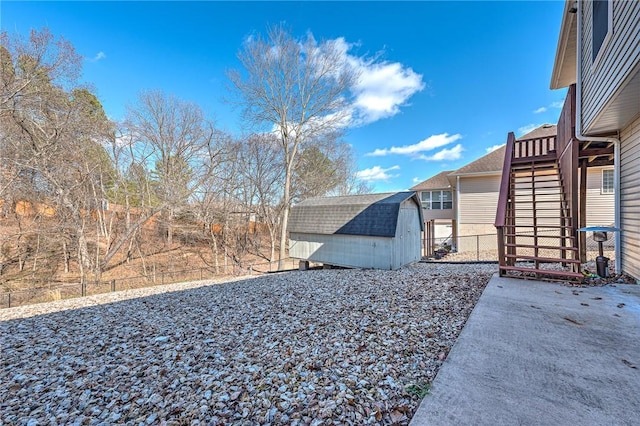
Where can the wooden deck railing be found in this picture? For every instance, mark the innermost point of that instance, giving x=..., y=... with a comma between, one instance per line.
x=567, y=156
x=540, y=148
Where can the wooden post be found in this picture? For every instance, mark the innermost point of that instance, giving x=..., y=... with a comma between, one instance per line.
x=200, y=274
x=582, y=215
x=113, y=285
x=9, y=299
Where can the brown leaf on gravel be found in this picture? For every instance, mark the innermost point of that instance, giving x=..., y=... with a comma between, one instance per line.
x=572, y=321
x=396, y=416
x=628, y=364
x=336, y=345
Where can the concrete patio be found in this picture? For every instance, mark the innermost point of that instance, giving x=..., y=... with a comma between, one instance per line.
x=542, y=353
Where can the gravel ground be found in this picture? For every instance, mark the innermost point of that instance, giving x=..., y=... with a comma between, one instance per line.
x=317, y=347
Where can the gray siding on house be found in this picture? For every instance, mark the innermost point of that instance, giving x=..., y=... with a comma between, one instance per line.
x=439, y=214
x=630, y=199
x=600, y=207
x=619, y=60
x=478, y=198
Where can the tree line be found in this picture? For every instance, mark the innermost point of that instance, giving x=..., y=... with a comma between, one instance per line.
x=166, y=161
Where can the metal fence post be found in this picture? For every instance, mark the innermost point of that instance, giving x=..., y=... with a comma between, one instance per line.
x=113, y=285
x=162, y=278
x=477, y=247
x=9, y=299
x=200, y=274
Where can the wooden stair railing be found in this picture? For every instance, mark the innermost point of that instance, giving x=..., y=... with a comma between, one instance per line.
x=536, y=216
x=504, y=203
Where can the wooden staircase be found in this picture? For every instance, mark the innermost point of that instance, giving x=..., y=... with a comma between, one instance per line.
x=536, y=219
x=538, y=230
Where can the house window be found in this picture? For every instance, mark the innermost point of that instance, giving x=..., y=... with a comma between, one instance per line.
x=437, y=200
x=607, y=181
x=602, y=21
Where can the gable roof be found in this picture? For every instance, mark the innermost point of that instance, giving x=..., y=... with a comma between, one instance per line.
x=490, y=163
x=544, y=131
x=438, y=181
x=374, y=215
x=494, y=161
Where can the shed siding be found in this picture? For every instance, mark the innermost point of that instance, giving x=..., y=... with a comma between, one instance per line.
x=600, y=207
x=478, y=198
x=618, y=57
x=406, y=246
x=343, y=250
x=630, y=198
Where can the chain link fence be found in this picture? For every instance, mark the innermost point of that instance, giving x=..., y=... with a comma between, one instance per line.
x=9, y=299
x=484, y=248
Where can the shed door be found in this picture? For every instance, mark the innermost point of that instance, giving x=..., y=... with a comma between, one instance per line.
x=408, y=235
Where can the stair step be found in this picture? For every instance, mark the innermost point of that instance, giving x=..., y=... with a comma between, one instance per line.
x=571, y=237
x=537, y=217
x=533, y=246
x=538, y=165
x=522, y=178
x=514, y=185
x=571, y=274
x=542, y=259
x=539, y=226
x=536, y=201
x=521, y=209
x=542, y=196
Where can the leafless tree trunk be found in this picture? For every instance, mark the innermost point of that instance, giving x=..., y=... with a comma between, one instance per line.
x=298, y=87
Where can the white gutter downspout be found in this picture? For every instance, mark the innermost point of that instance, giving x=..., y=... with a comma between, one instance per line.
x=579, y=135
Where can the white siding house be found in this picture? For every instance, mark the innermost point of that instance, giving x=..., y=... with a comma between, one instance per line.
x=599, y=51
x=381, y=231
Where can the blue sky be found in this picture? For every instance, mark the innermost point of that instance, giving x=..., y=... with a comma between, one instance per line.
x=449, y=80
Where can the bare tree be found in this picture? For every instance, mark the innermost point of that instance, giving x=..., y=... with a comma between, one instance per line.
x=52, y=133
x=262, y=168
x=296, y=88
x=177, y=138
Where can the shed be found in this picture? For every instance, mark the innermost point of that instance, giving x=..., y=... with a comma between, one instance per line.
x=380, y=231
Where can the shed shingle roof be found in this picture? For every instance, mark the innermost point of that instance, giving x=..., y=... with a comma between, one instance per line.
x=438, y=181
x=373, y=215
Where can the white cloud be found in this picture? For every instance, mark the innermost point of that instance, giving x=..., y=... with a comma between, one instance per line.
x=377, y=173
x=416, y=180
x=100, y=55
x=526, y=129
x=446, y=154
x=428, y=144
x=382, y=88
x=493, y=148
x=557, y=104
